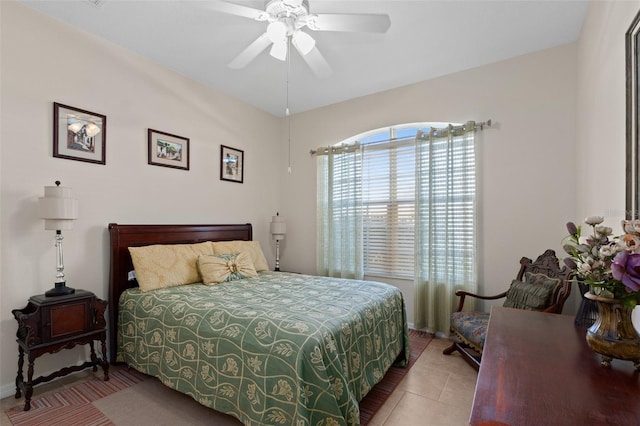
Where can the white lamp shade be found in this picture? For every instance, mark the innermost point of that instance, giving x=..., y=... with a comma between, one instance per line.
x=278, y=228
x=279, y=50
x=303, y=42
x=277, y=31
x=57, y=208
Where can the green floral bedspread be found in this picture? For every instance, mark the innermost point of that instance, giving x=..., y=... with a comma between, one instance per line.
x=279, y=349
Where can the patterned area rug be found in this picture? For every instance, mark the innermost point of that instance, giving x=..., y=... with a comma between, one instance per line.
x=73, y=406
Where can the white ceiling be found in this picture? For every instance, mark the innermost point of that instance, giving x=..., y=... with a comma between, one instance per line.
x=426, y=39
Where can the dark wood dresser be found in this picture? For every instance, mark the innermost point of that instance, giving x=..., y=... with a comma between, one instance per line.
x=50, y=324
x=538, y=370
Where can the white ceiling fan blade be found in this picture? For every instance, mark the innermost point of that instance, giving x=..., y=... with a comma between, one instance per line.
x=236, y=9
x=317, y=63
x=250, y=53
x=368, y=23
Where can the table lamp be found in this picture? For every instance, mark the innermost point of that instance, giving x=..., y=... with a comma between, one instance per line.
x=278, y=229
x=59, y=210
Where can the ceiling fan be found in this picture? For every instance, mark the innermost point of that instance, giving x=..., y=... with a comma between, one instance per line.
x=287, y=19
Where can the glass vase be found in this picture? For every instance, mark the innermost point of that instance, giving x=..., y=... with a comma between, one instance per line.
x=612, y=335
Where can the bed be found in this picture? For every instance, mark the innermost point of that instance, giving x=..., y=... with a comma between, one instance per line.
x=276, y=348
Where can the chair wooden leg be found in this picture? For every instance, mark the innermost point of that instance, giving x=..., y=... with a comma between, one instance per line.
x=450, y=349
x=473, y=362
x=456, y=346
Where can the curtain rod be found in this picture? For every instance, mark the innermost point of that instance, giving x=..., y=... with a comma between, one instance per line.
x=481, y=125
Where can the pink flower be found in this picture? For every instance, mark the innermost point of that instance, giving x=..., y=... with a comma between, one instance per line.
x=626, y=268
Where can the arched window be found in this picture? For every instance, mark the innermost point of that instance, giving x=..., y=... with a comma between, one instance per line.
x=400, y=202
x=388, y=197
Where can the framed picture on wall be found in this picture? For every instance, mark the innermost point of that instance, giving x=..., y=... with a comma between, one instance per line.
x=168, y=150
x=79, y=134
x=231, y=164
x=632, y=47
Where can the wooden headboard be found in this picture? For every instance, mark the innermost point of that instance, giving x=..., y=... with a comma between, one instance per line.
x=124, y=236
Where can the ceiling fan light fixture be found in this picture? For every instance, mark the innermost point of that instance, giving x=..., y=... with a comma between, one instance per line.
x=303, y=42
x=292, y=3
x=279, y=50
x=277, y=31
x=285, y=21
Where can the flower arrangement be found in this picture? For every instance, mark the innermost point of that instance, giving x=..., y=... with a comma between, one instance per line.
x=609, y=265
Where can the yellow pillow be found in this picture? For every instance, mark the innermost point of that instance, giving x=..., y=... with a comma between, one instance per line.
x=170, y=265
x=218, y=268
x=253, y=247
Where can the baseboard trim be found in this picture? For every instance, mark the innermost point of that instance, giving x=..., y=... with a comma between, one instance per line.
x=7, y=390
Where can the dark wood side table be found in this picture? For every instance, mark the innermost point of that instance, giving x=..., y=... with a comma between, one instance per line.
x=538, y=370
x=50, y=324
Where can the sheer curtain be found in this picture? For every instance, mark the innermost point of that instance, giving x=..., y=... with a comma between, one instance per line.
x=445, y=223
x=339, y=212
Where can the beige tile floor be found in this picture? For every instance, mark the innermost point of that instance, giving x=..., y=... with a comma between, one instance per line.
x=438, y=390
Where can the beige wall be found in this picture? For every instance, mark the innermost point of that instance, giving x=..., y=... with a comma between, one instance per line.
x=44, y=61
x=601, y=127
x=526, y=161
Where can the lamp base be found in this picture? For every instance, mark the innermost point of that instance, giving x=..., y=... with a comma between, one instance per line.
x=60, y=290
x=277, y=268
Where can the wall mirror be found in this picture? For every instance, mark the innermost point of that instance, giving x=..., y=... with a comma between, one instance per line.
x=633, y=120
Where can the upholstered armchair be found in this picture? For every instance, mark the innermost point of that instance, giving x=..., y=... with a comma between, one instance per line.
x=540, y=286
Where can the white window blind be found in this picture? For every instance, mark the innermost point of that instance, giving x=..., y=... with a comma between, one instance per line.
x=388, y=203
x=386, y=196
x=401, y=203
x=447, y=207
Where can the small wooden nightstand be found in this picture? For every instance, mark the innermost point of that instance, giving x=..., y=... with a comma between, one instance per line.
x=50, y=324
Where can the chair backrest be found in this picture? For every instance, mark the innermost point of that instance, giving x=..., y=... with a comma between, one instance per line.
x=548, y=264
